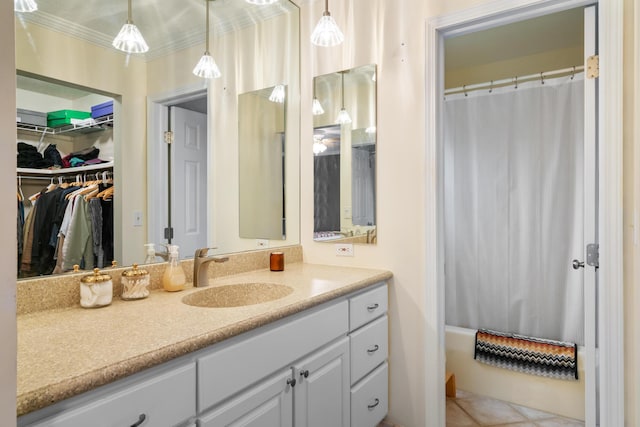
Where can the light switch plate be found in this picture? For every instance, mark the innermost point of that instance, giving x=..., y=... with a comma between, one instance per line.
x=344, y=249
x=137, y=218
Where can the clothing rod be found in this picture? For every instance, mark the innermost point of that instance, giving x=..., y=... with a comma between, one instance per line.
x=515, y=80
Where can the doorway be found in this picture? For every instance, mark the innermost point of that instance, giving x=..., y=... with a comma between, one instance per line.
x=487, y=16
x=177, y=158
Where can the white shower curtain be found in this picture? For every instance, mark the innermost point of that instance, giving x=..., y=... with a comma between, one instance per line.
x=514, y=209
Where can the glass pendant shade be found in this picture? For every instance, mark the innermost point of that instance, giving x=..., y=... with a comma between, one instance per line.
x=207, y=67
x=327, y=32
x=129, y=39
x=25, y=5
x=343, y=117
x=278, y=94
x=261, y=2
x=318, y=146
x=316, y=107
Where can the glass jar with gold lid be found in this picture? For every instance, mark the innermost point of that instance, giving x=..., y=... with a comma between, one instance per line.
x=96, y=290
x=135, y=282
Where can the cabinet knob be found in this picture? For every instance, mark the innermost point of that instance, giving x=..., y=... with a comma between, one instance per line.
x=291, y=382
x=373, y=349
x=375, y=403
x=304, y=373
x=372, y=307
x=141, y=419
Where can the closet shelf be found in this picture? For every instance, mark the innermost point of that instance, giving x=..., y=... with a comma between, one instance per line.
x=64, y=171
x=99, y=124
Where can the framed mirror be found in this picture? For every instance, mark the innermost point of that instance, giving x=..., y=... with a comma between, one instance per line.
x=344, y=147
x=140, y=170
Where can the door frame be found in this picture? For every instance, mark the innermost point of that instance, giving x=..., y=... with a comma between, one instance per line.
x=157, y=122
x=610, y=309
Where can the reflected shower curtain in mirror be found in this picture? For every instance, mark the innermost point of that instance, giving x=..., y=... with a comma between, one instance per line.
x=513, y=215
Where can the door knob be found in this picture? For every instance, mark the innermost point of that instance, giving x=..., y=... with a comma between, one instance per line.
x=577, y=264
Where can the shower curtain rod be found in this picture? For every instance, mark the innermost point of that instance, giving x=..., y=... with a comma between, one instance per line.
x=514, y=80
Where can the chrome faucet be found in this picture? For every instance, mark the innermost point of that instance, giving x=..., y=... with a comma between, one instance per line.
x=201, y=263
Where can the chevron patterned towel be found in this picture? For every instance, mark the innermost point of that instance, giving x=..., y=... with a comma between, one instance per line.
x=547, y=358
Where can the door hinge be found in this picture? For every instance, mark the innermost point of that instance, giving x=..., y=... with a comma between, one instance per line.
x=168, y=233
x=593, y=255
x=168, y=137
x=593, y=67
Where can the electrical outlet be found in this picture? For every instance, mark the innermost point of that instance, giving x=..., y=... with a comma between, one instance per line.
x=137, y=218
x=344, y=249
x=262, y=243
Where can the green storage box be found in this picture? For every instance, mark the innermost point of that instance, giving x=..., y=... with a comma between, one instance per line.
x=63, y=117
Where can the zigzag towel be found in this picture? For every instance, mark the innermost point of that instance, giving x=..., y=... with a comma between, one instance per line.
x=547, y=358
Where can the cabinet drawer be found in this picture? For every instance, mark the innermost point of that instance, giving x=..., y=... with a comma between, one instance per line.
x=369, y=399
x=367, y=306
x=231, y=368
x=166, y=399
x=369, y=348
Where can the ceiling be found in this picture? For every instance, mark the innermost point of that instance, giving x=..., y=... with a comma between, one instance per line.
x=167, y=26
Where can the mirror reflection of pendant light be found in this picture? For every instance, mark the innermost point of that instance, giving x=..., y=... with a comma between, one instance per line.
x=316, y=107
x=261, y=2
x=318, y=145
x=327, y=32
x=129, y=39
x=278, y=94
x=343, y=117
x=25, y=6
x=206, y=66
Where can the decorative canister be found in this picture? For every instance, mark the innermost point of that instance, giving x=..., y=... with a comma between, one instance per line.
x=276, y=261
x=135, y=282
x=96, y=290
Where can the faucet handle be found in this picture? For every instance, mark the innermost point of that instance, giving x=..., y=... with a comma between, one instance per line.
x=202, y=252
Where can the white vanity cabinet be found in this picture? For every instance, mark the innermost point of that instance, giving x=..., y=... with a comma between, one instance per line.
x=325, y=366
x=164, y=396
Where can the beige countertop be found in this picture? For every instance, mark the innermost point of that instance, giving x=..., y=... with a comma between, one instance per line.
x=65, y=352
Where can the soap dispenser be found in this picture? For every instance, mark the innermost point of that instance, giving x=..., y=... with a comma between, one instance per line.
x=151, y=253
x=173, y=278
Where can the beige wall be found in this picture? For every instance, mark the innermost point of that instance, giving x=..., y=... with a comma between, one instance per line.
x=391, y=34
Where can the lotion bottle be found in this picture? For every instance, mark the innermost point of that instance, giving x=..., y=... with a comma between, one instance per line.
x=173, y=279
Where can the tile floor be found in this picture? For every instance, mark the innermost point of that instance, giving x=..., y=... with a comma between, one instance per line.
x=472, y=410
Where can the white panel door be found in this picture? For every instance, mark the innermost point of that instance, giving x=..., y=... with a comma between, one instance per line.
x=189, y=180
x=322, y=392
x=267, y=404
x=590, y=222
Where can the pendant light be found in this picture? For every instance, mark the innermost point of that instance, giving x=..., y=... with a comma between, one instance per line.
x=129, y=39
x=316, y=107
x=277, y=94
x=343, y=117
x=327, y=32
x=261, y=2
x=25, y=6
x=207, y=67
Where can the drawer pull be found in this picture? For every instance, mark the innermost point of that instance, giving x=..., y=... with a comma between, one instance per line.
x=372, y=307
x=377, y=402
x=304, y=373
x=140, y=420
x=291, y=382
x=373, y=349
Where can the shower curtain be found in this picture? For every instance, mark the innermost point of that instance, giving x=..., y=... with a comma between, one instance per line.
x=513, y=214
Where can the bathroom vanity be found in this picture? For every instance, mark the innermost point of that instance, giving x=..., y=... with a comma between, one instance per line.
x=316, y=356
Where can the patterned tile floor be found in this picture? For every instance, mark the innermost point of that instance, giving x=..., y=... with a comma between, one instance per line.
x=472, y=410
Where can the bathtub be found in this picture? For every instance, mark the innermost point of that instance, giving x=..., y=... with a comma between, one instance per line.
x=562, y=397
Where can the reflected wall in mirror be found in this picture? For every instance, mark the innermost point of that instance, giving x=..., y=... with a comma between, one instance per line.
x=254, y=46
x=261, y=141
x=345, y=156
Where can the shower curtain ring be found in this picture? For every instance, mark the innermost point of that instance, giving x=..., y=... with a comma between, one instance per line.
x=516, y=80
x=491, y=87
x=464, y=89
x=541, y=77
x=573, y=73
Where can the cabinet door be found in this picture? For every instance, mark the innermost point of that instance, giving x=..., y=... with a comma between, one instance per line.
x=322, y=389
x=267, y=404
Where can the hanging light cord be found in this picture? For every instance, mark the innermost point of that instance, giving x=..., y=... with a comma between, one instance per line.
x=343, y=90
x=326, y=8
x=206, y=42
x=129, y=19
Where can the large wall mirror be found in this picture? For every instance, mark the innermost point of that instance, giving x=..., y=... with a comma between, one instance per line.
x=163, y=192
x=344, y=148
